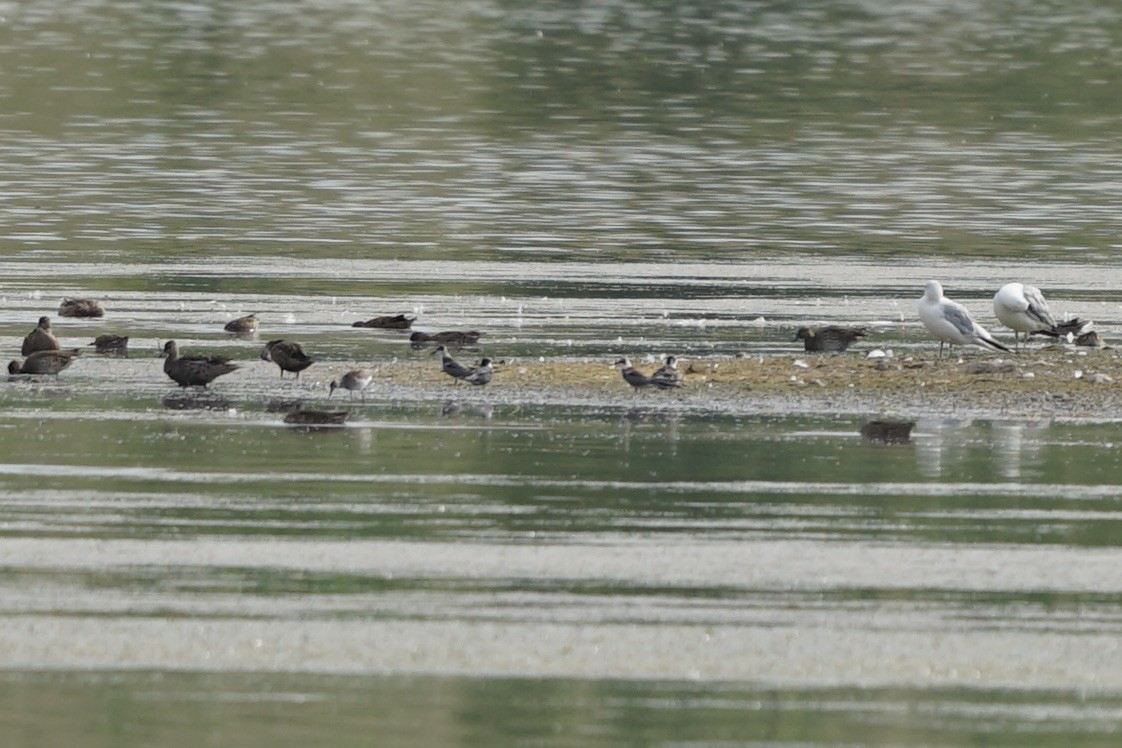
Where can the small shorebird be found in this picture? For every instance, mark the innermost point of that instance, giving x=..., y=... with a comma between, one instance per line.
x=355, y=380
x=195, y=370
x=242, y=325
x=831, y=339
x=667, y=375
x=43, y=362
x=117, y=345
x=451, y=366
x=287, y=355
x=40, y=339
x=80, y=308
x=630, y=374
x=388, y=322
x=1022, y=309
x=949, y=321
x=481, y=374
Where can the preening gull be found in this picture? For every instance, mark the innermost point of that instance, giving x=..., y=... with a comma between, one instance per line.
x=1022, y=309
x=949, y=321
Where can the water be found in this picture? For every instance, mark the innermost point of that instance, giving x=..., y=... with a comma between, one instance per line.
x=492, y=567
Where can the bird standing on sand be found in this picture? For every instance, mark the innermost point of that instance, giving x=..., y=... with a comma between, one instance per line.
x=43, y=362
x=451, y=366
x=949, y=321
x=287, y=355
x=40, y=339
x=630, y=374
x=1022, y=309
x=828, y=339
x=194, y=370
x=242, y=325
x=667, y=375
x=481, y=374
x=355, y=380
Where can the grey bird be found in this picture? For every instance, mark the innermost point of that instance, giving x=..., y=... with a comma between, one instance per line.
x=43, y=362
x=118, y=345
x=667, y=375
x=451, y=366
x=242, y=325
x=80, y=308
x=40, y=339
x=828, y=339
x=194, y=370
x=949, y=322
x=287, y=355
x=355, y=380
x=481, y=374
x=631, y=375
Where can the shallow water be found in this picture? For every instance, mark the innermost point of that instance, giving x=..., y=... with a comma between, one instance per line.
x=476, y=567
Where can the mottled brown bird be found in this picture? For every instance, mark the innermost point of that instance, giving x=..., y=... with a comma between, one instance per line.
x=43, y=362
x=80, y=308
x=829, y=339
x=118, y=345
x=195, y=370
x=242, y=325
x=452, y=338
x=892, y=432
x=40, y=339
x=388, y=322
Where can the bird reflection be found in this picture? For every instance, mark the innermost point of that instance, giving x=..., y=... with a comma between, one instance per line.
x=1018, y=445
x=942, y=444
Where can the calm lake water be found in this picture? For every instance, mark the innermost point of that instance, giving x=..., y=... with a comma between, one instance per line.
x=578, y=181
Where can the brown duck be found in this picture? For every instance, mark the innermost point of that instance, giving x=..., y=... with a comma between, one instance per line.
x=196, y=370
x=287, y=355
x=118, y=345
x=452, y=338
x=891, y=432
x=829, y=339
x=312, y=418
x=242, y=325
x=388, y=322
x=40, y=339
x=80, y=308
x=43, y=362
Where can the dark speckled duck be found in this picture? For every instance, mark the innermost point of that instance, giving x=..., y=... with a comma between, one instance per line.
x=195, y=370
x=80, y=308
x=40, y=339
x=117, y=345
x=829, y=339
x=289, y=356
x=450, y=338
x=246, y=325
x=388, y=322
x=43, y=362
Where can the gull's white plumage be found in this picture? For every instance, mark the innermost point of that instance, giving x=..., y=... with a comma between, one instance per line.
x=949, y=322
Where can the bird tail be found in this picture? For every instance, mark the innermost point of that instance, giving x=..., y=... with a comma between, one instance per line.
x=986, y=340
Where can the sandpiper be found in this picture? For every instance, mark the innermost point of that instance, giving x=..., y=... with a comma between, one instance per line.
x=80, y=308
x=287, y=355
x=828, y=339
x=43, y=362
x=40, y=339
x=194, y=370
x=355, y=380
x=118, y=345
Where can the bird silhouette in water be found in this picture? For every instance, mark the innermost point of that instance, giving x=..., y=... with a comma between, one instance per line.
x=242, y=325
x=195, y=370
x=287, y=355
x=828, y=339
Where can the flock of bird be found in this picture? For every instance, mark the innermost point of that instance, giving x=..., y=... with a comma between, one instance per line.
x=1018, y=306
